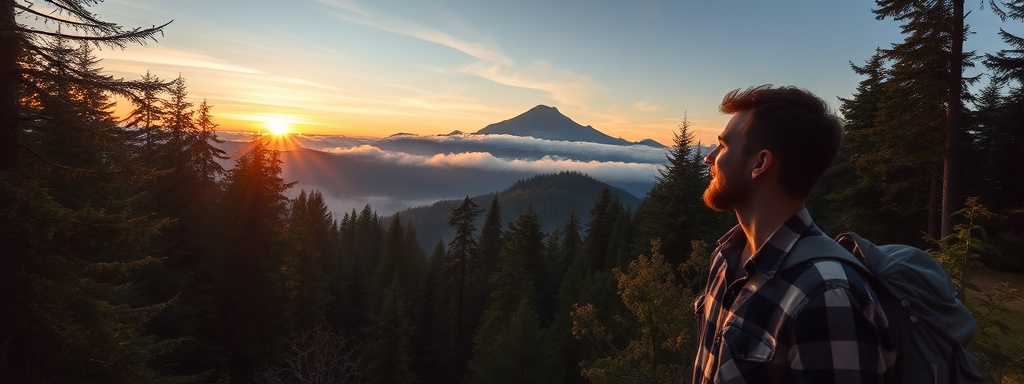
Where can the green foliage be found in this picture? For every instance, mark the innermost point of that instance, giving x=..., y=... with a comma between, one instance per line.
x=958, y=252
x=387, y=357
x=997, y=345
x=250, y=294
x=513, y=348
x=652, y=341
x=674, y=211
x=490, y=241
x=75, y=233
x=302, y=271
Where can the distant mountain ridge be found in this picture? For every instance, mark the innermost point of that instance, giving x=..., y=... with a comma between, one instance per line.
x=544, y=122
x=552, y=196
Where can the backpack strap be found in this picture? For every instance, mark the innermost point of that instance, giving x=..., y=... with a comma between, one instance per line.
x=820, y=246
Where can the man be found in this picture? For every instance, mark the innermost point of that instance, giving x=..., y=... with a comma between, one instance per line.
x=817, y=322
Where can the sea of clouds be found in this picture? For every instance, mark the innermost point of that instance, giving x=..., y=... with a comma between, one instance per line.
x=502, y=158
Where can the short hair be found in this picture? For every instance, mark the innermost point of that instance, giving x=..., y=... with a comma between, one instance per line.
x=795, y=125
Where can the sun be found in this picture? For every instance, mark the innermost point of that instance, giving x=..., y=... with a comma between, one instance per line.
x=278, y=126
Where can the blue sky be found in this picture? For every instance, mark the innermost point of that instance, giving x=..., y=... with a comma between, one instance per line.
x=631, y=69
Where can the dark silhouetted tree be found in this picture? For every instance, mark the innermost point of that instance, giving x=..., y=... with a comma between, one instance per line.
x=387, y=355
x=460, y=264
x=251, y=296
x=674, y=211
x=28, y=32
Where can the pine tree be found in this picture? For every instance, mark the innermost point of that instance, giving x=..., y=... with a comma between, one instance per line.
x=674, y=211
x=250, y=295
x=431, y=334
x=460, y=264
x=28, y=32
x=490, y=241
x=75, y=233
x=387, y=356
x=1007, y=66
x=853, y=184
x=147, y=113
x=926, y=95
x=514, y=348
x=303, y=269
x=598, y=242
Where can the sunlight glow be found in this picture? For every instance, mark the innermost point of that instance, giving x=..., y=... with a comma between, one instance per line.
x=278, y=126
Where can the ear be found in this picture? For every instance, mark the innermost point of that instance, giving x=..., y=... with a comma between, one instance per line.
x=763, y=163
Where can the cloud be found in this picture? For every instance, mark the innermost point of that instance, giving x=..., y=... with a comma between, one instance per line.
x=346, y=5
x=613, y=171
x=569, y=149
x=170, y=57
x=563, y=86
x=646, y=106
x=340, y=205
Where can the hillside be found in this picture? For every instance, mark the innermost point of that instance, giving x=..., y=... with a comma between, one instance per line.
x=552, y=196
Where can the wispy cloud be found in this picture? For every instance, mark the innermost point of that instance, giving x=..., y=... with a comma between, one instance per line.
x=170, y=57
x=564, y=86
x=646, y=106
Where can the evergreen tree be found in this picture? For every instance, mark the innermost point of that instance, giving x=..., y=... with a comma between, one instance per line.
x=490, y=241
x=178, y=119
x=360, y=238
x=74, y=233
x=598, y=242
x=387, y=356
x=28, y=35
x=147, y=113
x=521, y=264
x=514, y=348
x=431, y=334
x=657, y=330
x=303, y=270
x=1007, y=66
x=392, y=265
x=517, y=348
x=572, y=243
x=674, y=211
x=460, y=264
x=926, y=94
x=250, y=294
x=852, y=186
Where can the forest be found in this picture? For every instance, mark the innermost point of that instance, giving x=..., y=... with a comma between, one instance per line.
x=129, y=254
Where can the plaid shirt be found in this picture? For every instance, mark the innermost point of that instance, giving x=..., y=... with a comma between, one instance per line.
x=817, y=322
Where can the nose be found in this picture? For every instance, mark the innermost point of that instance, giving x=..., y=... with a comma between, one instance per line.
x=710, y=158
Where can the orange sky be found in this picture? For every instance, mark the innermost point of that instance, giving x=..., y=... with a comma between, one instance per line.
x=375, y=68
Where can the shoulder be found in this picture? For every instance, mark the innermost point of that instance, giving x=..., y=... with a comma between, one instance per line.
x=828, y=282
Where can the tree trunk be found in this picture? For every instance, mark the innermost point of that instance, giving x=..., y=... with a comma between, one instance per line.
x=935, y=201
x=9, y=115
x=950, y=188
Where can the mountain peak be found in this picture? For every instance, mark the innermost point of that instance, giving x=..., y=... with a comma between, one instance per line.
x=544, y=122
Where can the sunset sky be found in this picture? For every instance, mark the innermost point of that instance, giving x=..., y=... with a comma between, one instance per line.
x=631, y=69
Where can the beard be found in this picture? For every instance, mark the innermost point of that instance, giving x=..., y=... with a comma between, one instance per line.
x=724, y=195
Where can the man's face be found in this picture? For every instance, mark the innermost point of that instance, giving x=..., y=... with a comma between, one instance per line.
x=730, y=182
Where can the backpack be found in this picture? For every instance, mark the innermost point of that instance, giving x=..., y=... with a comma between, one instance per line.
x=930, y=327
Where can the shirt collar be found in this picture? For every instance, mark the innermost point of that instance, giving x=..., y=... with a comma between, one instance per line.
x=769, y=258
